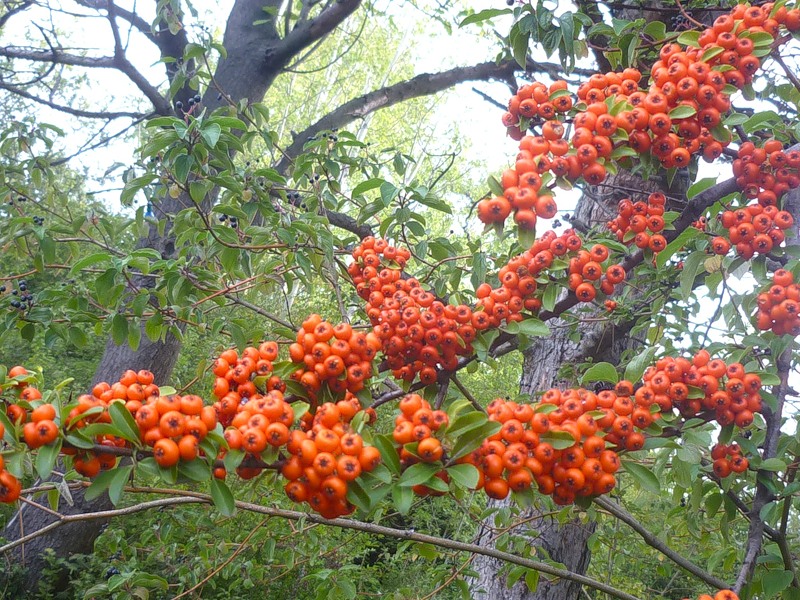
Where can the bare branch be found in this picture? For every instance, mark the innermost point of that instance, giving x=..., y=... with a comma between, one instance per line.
x=187, y=497
x=24, y=5
x=421, y=85
x=763, y=493
x=652, y=541
x=121, y=62
x=54, y=55
x=310, y=31
x=131, y=17
x=87, y=114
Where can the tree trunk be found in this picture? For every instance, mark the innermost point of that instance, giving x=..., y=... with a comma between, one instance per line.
x=542, y=363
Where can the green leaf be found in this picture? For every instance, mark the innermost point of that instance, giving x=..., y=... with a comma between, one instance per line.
x=46, y=458
x=466, y=422
x=689, y=38
x=223, y=498
x=119, y=329
x=759, y=119
x=402, y=498
x=123, y=420
x=773, y=464
x=484, y=15
x=559, y=440
x=478, y=269
x=464, y=475
x=711, y=53
x=183, y=164
x=533, y=327
x=519, y=45
x=682, y=112
x=692, y=267
x=388, y=193
x=211, y=133
x=656, y=30
x=433, y=202
x=550, y=295
x=601, y=372
x=472, y=439
x=195, y=470
x=369, y=184
x=119, y=479
x=638, y=364
x=774, y=582
x=700, y=186
x=88, y=261
x=532, y=580
x=418, y=473
x=385, y=444
x=100, y=484
x=644, y=476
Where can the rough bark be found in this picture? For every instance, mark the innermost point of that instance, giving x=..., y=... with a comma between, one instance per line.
x=542, y=364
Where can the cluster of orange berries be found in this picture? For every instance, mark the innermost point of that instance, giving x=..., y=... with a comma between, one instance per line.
x=536, y=101
x=730, y=38
x=779, y=306
x=522, y=184
x=766, y=173
x=728, y=459
x=520, y=454
x=754, y=229
x=174, y=426
x=518, y=286
x=335, y=355
x=132, y=389
x=326, y=457
x=235, y=377
x=676, y=118
x=418, y=422
x=415, y=331
x=703, y=387
x=722, y=594
x=260, y=422
x=641, y=222
x=587, y=268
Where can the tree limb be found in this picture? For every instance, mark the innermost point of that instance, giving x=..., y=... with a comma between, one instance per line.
x=131, y=17
x=24, y=5
x=421, y=85
x=121, y=62
x=76, y=112
x=310, y=31
x=653, y=541
x=54, y=55
x=188, y=497
x=763, y=493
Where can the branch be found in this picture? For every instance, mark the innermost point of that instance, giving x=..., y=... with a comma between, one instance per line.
x=763, y=493
x=131, y=17
x=421, y=85
x=187, y=497
x=54, y=55
x=307, y=32
x=652, y=541
x=13, y=11
x=76, y=112
x=121, y=62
